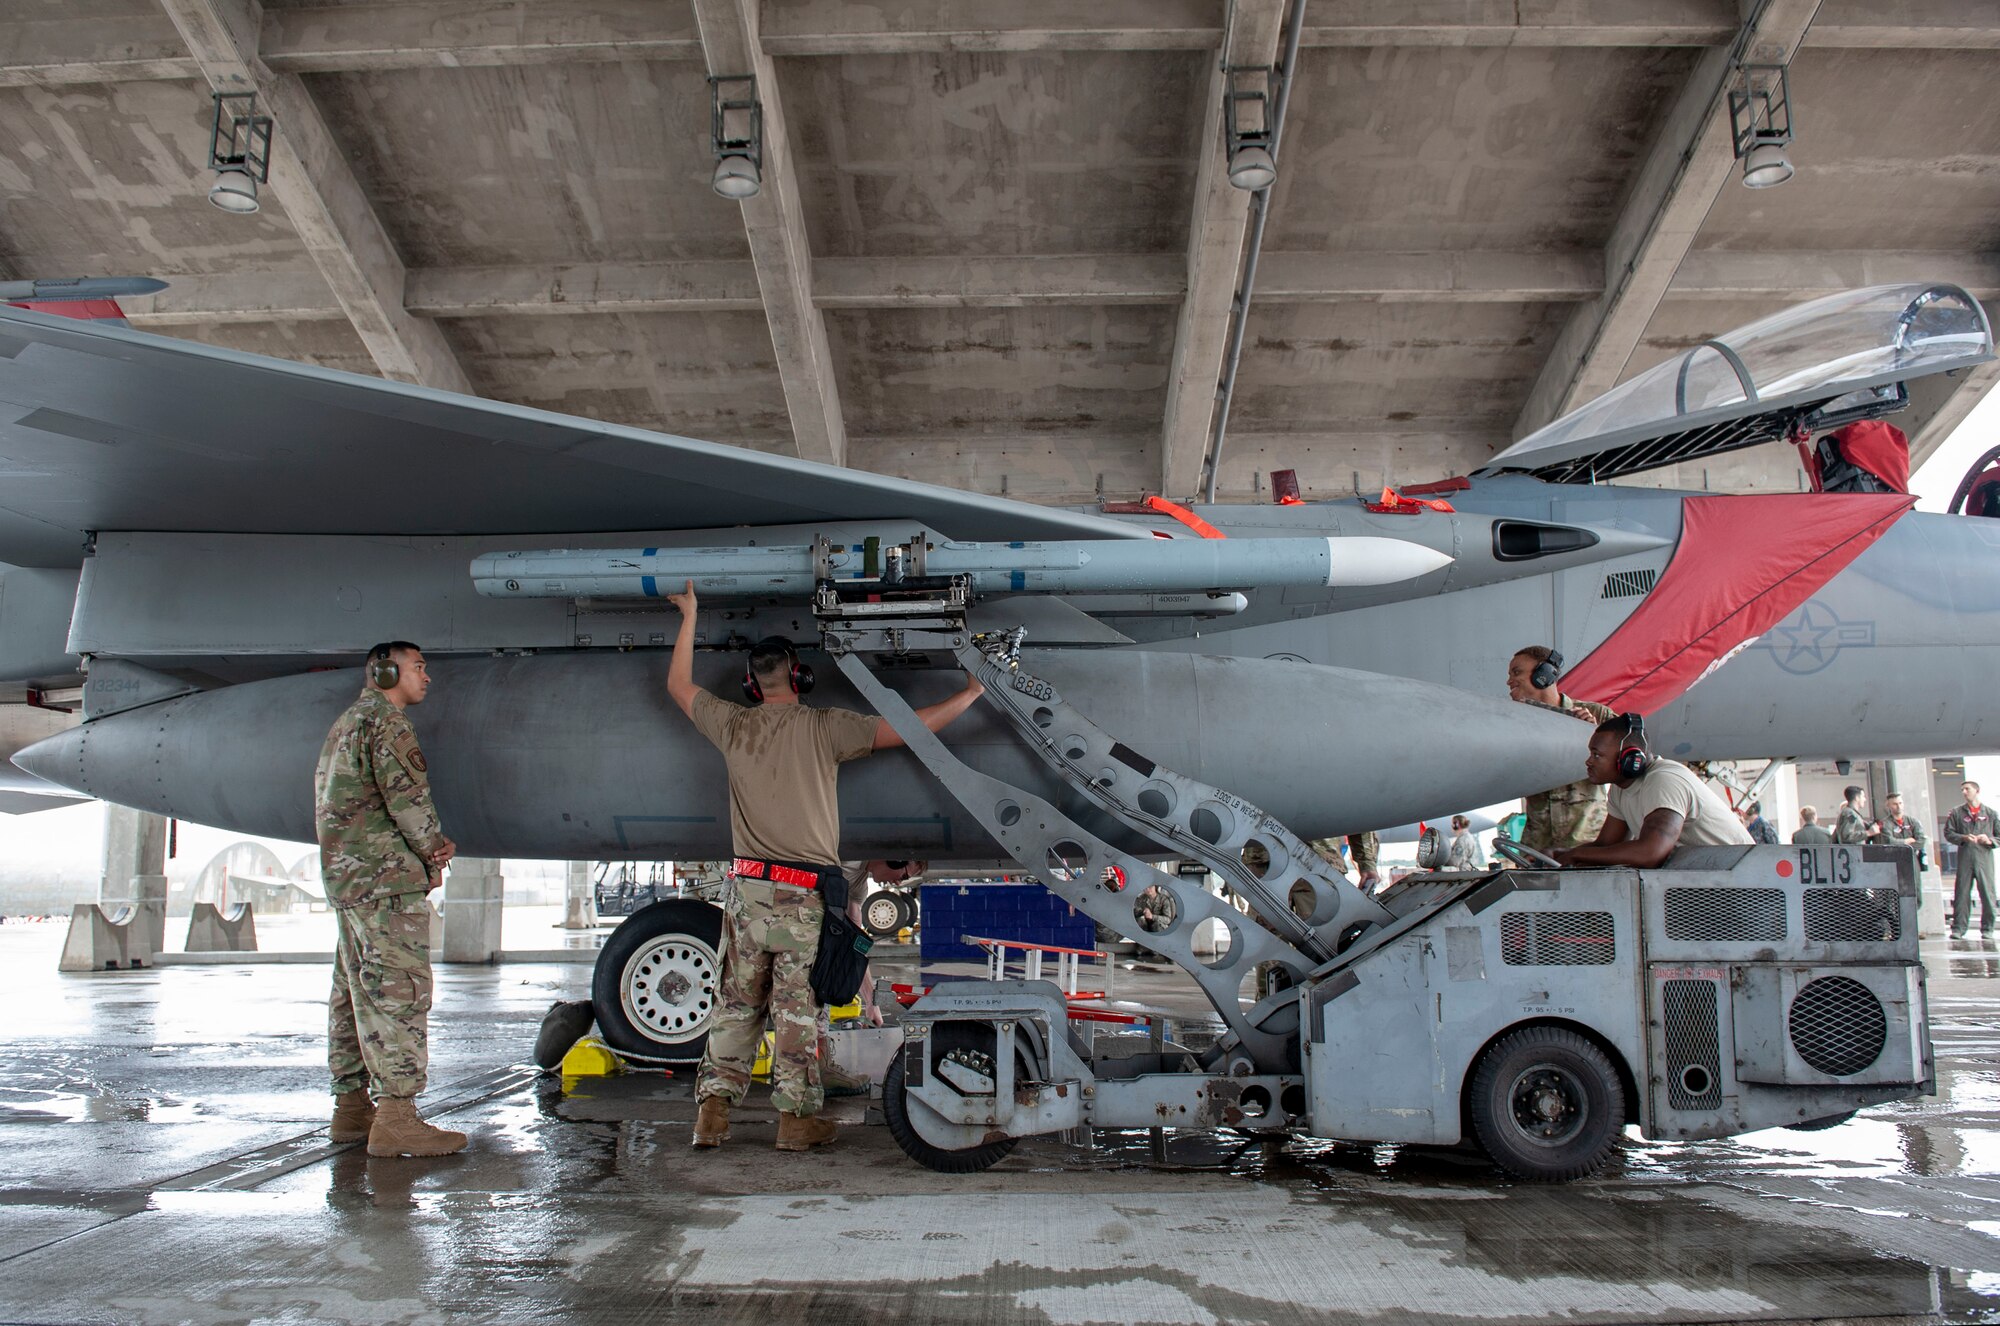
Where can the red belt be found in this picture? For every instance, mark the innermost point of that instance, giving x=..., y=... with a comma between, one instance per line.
x=745, y=868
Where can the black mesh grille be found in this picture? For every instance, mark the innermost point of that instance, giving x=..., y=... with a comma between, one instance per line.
x=1853, y=916
x=1556, y=939
x=1730, y=916
x=1838, y=1025
x=1694, y=1055
x=1629, y=584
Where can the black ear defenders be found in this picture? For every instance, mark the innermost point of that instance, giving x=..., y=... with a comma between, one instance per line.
x=1633, y=757
x=800, y=675
x=1546, y=671
x=383, y=670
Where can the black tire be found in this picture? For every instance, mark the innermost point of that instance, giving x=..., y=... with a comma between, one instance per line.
x=944, y=1038
x=654, y=987
x=1821, y=1125
x=1546, y=1104
x=882, y=914
x=908, y=902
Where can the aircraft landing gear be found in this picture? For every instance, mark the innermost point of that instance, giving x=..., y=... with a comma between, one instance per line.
x=654, y=990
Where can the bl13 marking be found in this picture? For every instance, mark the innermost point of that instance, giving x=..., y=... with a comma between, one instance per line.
x=1826, y=865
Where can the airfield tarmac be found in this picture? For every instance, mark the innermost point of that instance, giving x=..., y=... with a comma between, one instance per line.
x=162, y=1159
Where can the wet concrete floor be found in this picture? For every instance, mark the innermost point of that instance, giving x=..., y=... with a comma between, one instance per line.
x=162, y=1159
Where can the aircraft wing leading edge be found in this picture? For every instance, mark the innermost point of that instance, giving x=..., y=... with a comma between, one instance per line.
x=105, y=428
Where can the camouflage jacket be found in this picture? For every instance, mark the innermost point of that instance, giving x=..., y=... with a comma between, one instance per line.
x=372, y=806
x=1851, y=828
x=1583, y=790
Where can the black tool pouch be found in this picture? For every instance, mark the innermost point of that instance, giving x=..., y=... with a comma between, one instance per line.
x=842, y=960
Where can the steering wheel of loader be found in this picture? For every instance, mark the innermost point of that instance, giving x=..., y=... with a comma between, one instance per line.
x=1526, y=857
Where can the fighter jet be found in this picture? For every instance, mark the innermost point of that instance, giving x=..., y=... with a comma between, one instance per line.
x=237, y=530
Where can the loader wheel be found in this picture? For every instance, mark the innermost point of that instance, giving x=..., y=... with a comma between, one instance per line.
x=949, y=1040
x=1546, y=1104
x=1821, y=1125
x=654, y=989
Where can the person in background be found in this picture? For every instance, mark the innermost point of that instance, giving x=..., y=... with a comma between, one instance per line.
x=1900, y=830
x=1854, y=827
x=1972, y=827
x=1761, y=829
x=1465, y=852
x=1809, y=830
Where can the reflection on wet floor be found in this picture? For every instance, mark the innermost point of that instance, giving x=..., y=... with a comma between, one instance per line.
x=162, y=1162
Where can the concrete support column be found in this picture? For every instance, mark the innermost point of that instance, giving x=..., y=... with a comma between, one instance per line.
x=135, y=870
x=579, y=899
x=1912, y=778
x=474, y=892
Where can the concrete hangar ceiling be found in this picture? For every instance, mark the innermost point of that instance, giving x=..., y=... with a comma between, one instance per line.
x=996, y=246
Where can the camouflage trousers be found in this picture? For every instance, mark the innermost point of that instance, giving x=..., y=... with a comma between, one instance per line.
x=770, y=935
x=377, y=1032
x=1553, y=824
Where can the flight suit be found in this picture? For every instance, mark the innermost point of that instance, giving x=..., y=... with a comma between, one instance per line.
x=377, y=831
x=1573, y=814
x=1975, y=865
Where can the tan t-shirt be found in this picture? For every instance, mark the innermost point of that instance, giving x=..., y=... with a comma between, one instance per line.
x=784, y=765
x=1669, y=785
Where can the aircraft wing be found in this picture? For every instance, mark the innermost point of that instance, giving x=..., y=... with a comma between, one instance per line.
x=106, y=428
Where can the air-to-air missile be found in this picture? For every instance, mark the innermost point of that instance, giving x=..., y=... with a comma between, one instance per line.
x=67, y=289
x=1112, y=566
x=1325, y=750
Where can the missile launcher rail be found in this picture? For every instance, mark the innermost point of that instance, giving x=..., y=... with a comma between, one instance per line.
x=1742, y=988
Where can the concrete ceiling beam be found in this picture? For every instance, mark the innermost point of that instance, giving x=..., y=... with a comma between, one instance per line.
x=432, y=34
x=775, y=222
x=1691, y=161
x=55, y=51
x=1734, y=275
x=313, y=182
x=1215, y=253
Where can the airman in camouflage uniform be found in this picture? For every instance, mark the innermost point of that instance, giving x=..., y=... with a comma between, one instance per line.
x=381, y=852
x=783, y=760
x=1571, y=815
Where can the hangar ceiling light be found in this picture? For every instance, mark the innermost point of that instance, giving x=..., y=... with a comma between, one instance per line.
x=737, y=136
x=1246, y=125
x=239, y=151
x=1760, y=122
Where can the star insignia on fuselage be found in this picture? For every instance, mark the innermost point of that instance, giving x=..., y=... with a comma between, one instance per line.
x=1813, y=637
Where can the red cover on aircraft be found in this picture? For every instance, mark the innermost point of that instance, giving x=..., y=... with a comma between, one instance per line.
x=86, y=309
x=1743, y=564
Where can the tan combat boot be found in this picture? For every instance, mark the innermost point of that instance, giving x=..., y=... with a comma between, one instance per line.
x=400, y=1131
x=711, y=1123
x=353, y=1116
x=837, y=1081
x=803, y=1132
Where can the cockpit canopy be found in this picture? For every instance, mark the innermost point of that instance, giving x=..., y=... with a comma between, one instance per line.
x=1819, y=365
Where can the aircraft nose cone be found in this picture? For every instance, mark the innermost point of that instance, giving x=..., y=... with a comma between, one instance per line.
x=57, y=759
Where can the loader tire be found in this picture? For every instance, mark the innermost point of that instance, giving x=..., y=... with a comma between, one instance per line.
x=1546, y=1104
x=943, y=1040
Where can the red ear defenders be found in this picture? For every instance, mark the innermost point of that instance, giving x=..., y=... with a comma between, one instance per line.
x=1633, y=757
x=800, y=675
x=1546, y=671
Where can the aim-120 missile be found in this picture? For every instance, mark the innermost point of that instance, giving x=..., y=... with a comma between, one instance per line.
x=1105, y=566
x=62, y=289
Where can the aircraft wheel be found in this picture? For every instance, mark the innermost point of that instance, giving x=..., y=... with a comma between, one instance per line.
x=1546, y=1104
x=947, y=1041
x=882, y=914
x=1821, y=1125
x=654, y=989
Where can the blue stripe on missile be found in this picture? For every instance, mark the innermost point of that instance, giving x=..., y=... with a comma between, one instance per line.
x=1017, y=579
x=651, y=551
x=1017, y=544
x=652, y=590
